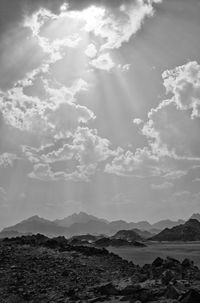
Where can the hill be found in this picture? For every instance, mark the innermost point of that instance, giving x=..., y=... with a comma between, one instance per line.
x=128, y=235
x=83, y=223
x=189, y=231
x=38, y=269
x=80, y=218
x=195, y=216
x=35, y=225
x=166, y=224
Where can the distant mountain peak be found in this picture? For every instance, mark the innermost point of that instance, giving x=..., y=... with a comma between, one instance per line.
x=189, y=231
x=195, y=216
x=35, y=218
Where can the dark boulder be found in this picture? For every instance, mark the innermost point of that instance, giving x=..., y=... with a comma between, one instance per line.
x=192, y=296
x=107, y=289
x=130, y=290
x=158, y=262
x=187, y=263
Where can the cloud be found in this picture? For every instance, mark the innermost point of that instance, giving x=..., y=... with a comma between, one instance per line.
x=56, y=115
x=116, y=22
x=16, y=43
x=91, y=51
x=172, y=126
x=171, y=130
x=12, y=12
x=7, y=159
x=44, y=172
x=103, y=62
x=140, y=164
x=22, y=21
x=125, y=67
x=184, y=83
x=162, y=186
x=177, y=174
x=66, y=117
x=137, y=121
x=196, y=180
x=85, y=149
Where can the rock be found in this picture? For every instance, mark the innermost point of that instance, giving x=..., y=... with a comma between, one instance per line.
x=187, y=263
x=130, y=290
x=171, y=263
x=192, y=296
x=158, y=262
x=107, y=289
x=167, y=276
x=172, y=292
x=180, y=285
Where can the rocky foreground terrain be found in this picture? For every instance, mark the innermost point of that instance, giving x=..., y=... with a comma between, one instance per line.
x=38, y=269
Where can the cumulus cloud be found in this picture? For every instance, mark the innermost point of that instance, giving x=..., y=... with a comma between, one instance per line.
x=173, y=125
x=171, y=130
x=103, y=62
x=91, y=51
x=140, y=164
x=66, y=117
x=16, y=41
x=85, y=148
x=56, y=115
x=117, y=22
x=125, y=67
x=184, y=83
x=137, y=121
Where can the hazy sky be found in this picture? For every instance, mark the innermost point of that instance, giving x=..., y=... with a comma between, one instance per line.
x=99, y=109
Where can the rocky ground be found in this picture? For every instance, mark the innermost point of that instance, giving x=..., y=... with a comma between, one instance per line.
x=37, y=269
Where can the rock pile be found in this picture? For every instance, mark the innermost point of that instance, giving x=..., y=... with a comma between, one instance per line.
x=38, y=269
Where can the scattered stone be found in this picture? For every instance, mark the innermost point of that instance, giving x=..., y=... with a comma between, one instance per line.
x=38, y=269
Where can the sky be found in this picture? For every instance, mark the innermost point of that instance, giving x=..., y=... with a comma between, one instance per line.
x=99, y=109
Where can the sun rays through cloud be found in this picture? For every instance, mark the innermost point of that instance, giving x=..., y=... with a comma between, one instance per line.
x=94, y=97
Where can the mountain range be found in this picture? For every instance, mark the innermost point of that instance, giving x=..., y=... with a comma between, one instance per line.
x=189, y=231
x=82, y=223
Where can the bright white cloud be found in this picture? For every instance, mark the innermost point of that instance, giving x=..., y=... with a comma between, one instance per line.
x=86, y=148
x=91, y=51
x=184, y=83
x=173, y=125
x=171, y=130
x=140, y=164
x=118, y=25
x=103, y=62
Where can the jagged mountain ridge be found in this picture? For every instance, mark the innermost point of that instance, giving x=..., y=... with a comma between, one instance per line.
x=189, y=231
x=34, y=225
x=82, y=223
x=78, y=218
